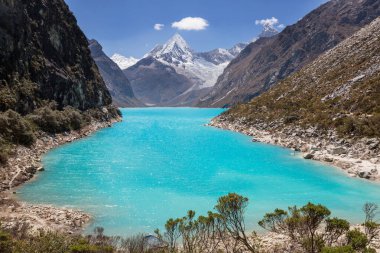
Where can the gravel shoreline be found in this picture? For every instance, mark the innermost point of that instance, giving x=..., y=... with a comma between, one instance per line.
x=24, y=166
x=358, y=158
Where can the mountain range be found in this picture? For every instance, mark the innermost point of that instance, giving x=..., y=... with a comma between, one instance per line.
x=173, y=74
x=263, y=63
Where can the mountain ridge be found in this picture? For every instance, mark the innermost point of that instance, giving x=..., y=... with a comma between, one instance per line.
x=330, y=109
x=297, y=45
x=114, y=78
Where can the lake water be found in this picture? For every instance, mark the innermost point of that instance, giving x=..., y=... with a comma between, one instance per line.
x=160, y=162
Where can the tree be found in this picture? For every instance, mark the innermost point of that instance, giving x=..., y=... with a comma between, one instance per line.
x=232, y=208
x=334, y=230
x=172, y=233
x=371, y=227
x=302, y=225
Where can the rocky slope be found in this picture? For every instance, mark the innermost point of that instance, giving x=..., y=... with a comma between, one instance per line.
x=44, y=56
x=262, y=65
x=155, y=83
x=330, y=109
x=114, y=78
x=189, y=74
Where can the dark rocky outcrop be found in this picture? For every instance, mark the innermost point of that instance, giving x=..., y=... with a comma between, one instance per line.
x=263, y=63
x=116, y=82
x=44, y=56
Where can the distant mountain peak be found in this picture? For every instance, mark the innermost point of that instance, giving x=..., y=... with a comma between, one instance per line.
x=178, y=40
x=124, y=62
x=175, y=50
x=268, y=31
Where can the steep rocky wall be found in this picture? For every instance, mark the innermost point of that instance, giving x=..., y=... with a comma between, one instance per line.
x=44, y=56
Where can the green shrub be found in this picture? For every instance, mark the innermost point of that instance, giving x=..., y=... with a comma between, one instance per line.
x=341, y=249
x=15, y=129
x=87, y=248
x=51, y=120
x=5, y=243
x=5, y=150
x=357, y=239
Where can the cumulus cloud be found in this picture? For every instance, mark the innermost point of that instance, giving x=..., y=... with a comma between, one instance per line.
x=191, y=24
x=270, y=22
x=158, y=27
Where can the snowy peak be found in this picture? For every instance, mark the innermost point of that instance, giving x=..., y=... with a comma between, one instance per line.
x=268, y=31
x=175, y=51
x=235, y=50
x=124, y=62
x=221, y=55
x=176, y=41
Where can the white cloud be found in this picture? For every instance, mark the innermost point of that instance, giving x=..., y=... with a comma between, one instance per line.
x=158, y=27
x=281, y=26
x=191, y=23
x=270, y=22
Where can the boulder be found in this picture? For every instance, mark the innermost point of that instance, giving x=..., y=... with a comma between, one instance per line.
x=338, y=151
x=364, y=174
x=308, y=156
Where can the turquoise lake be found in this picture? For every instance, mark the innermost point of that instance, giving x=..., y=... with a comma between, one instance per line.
x=160, y=162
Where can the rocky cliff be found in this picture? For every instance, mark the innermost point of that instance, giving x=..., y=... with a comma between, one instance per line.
x=330, y=108
x=114, y=78
x=263, y=64
x=49, y=82
x=44, y=56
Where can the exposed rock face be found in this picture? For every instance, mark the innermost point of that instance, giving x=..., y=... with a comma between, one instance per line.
x=116, y=82
x=329, y=109
x=262, y=65
x=44, y=56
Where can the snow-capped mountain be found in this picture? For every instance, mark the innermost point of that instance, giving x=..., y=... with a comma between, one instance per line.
x=124, y=62
x=235, y=50
x=202, y=68
x=175, y=51
x=268, y=31
x=173, y=74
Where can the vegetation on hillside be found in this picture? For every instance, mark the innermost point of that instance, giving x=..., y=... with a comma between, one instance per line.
x=308, y=229
x=16, y=129
x=339, y=91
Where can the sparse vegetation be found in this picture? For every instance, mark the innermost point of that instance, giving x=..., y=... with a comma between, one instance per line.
x=338, y=91
x=309, y=229
x=16, y=129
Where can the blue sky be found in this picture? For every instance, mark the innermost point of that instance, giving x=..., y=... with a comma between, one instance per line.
x=127, y=26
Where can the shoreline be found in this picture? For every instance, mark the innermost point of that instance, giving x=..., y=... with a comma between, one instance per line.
x=25, y=165
x=353, y=158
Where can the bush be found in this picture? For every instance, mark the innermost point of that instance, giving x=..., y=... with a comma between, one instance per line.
x=342, y=249
x=87, y=248
x=51, y=120
x=15, y=129
x=5, y=243
x=5, y=150
x=357, y=239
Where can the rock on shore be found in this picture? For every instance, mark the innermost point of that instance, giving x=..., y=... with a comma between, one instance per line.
x=15, y=215
x=357, y=157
